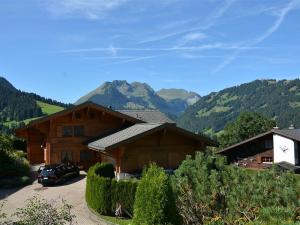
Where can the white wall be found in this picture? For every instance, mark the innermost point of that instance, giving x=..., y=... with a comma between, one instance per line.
x=281, y=143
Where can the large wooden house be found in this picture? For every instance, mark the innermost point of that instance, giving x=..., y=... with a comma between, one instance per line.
x=90, y=133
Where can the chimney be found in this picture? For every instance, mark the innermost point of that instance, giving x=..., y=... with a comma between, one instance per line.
x=291, y=127
x=276, y=127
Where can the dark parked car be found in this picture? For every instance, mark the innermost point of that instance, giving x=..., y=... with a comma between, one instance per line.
x=57, y=174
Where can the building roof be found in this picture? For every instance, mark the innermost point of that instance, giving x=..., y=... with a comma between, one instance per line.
x=122, y=136
x=293, y=134
x=148, y=116
x=136, y=131
x=81, y=106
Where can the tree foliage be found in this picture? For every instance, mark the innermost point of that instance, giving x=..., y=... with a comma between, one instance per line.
x=247, y=125
x=154, y=202
x=211, y=192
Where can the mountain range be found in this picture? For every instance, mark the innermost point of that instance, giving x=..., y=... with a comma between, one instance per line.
x=120, y=94
x=277, y=99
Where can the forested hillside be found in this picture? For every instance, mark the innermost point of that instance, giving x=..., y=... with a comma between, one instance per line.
x=18, y=107
x=279, y=100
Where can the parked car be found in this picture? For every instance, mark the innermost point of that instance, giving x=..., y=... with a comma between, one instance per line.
x=57, y=174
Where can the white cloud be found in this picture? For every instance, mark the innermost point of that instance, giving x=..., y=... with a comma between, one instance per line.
x=280, y=17
x=164, y=33
x=89, y=9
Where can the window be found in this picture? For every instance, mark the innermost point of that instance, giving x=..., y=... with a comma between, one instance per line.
x=92, y=115
x=78, y=131
x=268, y=144
x=86, y=155
x=77, y=115
x=66, y=156
x=266, y=159
x=67, y=131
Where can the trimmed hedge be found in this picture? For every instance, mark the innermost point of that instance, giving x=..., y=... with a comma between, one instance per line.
x=98, y=192
x=123, y=192
x=105, y=170
x=154, y=202
x=103, y=193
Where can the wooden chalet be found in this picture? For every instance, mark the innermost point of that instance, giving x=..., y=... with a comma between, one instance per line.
x=277, y=146
x=90, y=133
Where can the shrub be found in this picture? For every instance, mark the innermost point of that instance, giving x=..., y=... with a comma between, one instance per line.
x=105, y=170
x=42, y=212
x=98, y=192
x=103, y=193
x=12, y=162
x=123, y=192
x=211, y=192
x=153, y=201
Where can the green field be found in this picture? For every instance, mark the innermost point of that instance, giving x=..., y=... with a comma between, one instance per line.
x=49, y=109
x=46, y=108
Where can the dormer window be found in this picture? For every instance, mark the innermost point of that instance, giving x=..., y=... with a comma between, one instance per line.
x=77, y=115
x=268, y=144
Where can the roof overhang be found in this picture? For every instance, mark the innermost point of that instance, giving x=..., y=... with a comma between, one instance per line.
x=96, y=145
x=76, y=108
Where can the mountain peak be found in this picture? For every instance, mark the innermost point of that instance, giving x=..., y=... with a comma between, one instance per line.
x=137, y=95
x=6, y=84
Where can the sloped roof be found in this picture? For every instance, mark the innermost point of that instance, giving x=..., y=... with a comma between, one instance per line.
x=81, y=106
x=122, y=136
x=148, y=116
x=293, y=134
x=289, y=133
x=138, y=130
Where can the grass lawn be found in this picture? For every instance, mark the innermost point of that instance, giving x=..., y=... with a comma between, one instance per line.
x=117, y=221
x=298, y=180
x=49, y=109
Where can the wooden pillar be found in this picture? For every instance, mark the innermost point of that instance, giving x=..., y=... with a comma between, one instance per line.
x=119, y=156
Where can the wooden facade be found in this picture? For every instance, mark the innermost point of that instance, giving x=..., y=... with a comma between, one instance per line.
x=166, y=148
x=255, y=153
x=64, y=136
x=49, y=141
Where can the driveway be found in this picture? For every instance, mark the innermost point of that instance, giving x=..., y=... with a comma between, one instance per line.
x=73, y=192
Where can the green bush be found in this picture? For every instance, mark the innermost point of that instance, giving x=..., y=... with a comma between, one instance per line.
x=153, y=200
x=123, y=192
x=105, y=170
x=12, y=163
x=98, y=192
x=103, y=193
x=15, y=182
x=210, y=192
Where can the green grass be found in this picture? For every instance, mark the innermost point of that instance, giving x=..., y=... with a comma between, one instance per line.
x=216, y=109
x=298, y=180
x=117, y=221
x=49, y=109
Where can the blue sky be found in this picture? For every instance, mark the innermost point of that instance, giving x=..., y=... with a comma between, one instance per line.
x=64, y=48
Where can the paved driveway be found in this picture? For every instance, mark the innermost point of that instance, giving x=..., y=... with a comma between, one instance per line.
x=73, y=192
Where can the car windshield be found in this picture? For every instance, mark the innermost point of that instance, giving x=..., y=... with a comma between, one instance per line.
x=47, y=172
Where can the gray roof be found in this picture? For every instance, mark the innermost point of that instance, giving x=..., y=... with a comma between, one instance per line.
x=122, y=136
x=148, y=116
x=289, y=133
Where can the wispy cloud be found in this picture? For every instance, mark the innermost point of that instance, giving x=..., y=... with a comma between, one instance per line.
x=220, y=46
x=192, y=25
x=280, y=17
x=89, y=9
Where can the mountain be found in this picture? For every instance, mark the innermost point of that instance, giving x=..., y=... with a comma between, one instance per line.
x=279, y=100
x=18, y=108
x=123, y=95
